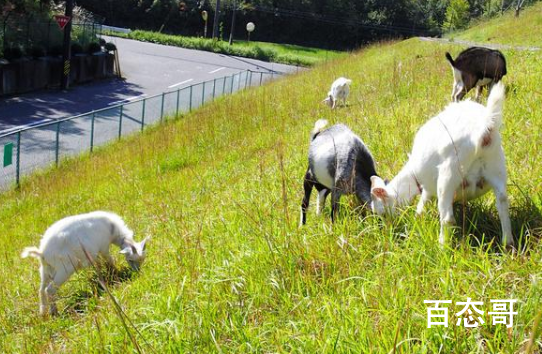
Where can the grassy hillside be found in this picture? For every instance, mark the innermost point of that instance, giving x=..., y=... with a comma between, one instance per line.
x=230, y=271
x=508, y=29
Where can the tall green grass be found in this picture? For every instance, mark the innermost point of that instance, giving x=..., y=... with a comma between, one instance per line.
x=230, y=271
x=272, y=52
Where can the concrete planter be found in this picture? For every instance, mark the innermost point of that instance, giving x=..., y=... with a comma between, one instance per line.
x=26, y=75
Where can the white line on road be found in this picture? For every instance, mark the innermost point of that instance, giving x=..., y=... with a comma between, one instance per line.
x=129, y=99
x=216, y=70
x=180, y=83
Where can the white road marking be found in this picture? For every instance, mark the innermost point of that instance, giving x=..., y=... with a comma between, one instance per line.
x=216, y=70
x=129, y=99
x=180, y=83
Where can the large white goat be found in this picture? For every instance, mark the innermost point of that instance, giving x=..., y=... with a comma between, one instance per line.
x=68, y=244
x=339, y=90
x=456, y=156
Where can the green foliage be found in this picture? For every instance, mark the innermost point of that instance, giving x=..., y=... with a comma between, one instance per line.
x=287, y=54
x=94, y=47
x=228, y=268
x=509, y=29
x=76, y=48
x=37, y=51
x=457, y=15
x=13, y=53
x=110, y=47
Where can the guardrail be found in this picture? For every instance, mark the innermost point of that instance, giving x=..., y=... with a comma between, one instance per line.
x=29, y=149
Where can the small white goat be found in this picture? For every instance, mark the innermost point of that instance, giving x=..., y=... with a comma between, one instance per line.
x=339, y=90
x=456, y=156
x=63, y=246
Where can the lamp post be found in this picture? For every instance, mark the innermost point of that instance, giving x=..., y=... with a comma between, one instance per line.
x=250, y=28
x=205, y=17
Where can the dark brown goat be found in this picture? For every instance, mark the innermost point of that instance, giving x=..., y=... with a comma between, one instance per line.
x=476, y=66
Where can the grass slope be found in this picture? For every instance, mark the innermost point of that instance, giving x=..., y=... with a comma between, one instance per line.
x=229, y=270
x=272, y=52
x=508, y=29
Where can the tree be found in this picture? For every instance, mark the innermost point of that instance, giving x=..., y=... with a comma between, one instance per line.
x=457, y=15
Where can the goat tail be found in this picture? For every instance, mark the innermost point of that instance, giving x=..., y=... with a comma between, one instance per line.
x=32, y=252
x=450, y=59
x=318, y=127
x=495, y=103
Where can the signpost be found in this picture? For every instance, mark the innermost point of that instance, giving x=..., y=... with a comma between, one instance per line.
x=66, y=53
x=250, y=27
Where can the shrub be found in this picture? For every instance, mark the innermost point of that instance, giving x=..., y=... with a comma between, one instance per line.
x=56, y=50
x=110, y=47
x=13, y=53
x=37, y=52
x=77, y=48
x=94, y=47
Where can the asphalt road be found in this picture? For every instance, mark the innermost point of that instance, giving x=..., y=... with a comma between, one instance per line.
x=147, y=69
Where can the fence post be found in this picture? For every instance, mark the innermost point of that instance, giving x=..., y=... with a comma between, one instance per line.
x=224, y=85
x=178, y=94
x=246, y=79
x=190, y=100
x=57, y=145
x=92, y=132
x=143, y=115
x=232, y=80
x=203, y=93
x=18, y=163
x=261, y=77
x=214, y=88
x=120, y=120
x=162, y=107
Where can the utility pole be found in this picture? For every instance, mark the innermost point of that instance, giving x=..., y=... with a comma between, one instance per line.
x=233, y=22
x=215, y=23
x=66, y=53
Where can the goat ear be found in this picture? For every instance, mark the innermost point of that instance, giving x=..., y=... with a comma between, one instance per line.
x=377, y=182
x=379, y=192
x=144, y=242
x=126, y=250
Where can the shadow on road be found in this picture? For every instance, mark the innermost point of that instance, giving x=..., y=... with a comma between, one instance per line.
x=53, y=104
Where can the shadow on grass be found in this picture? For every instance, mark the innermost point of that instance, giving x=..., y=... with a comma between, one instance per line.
x=482, y=223
x=84, y=300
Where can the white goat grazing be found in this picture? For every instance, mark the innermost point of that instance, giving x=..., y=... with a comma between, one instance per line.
x=339, y=90
x=456, y=156
x=67, y=245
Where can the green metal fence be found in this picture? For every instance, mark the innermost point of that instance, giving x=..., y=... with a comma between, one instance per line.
x=32, y=148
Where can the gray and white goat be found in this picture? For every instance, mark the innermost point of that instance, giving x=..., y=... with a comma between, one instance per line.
x=339, y=163
x=476, y=67
x=340, y=89
x=68, y=244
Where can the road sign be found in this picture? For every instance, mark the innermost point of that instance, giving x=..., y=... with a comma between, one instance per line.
x=62, y=20
x=8, y=154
